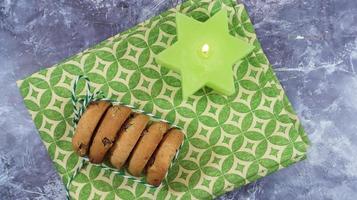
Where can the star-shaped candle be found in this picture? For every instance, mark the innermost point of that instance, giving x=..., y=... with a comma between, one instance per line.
x=204, y=54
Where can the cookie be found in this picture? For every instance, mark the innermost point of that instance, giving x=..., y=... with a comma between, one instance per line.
x=127, y=138
x=107, y=131
x=86, y=126
x=161, y=160
x=146, y=147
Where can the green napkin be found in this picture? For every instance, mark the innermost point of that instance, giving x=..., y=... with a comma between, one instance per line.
x=231, y=141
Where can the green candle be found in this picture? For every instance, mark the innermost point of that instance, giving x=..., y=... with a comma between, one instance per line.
x=204, y=54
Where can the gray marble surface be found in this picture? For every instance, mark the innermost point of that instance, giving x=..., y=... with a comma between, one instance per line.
x=312, y=45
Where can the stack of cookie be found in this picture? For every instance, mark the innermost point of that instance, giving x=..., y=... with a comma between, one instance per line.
x=126, y=137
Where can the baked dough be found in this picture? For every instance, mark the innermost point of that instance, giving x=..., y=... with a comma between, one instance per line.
x=146, y=147
x=86, y=126
x=107, y=131
x=162, y=158
x=127, y=138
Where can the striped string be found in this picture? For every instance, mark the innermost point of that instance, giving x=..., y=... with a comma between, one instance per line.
x=80, y=105
x=89, y=97
x=76, y=171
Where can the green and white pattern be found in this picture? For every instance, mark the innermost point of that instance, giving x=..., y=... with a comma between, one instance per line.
x=231, y=140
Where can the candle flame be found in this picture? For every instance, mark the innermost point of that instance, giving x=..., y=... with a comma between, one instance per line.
x=205, y=48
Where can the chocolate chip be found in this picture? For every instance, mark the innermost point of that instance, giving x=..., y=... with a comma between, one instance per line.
x=144, y=132
x=127, y=125
x=106, y=141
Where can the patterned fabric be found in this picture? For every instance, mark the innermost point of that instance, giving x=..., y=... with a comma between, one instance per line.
x=231, y=140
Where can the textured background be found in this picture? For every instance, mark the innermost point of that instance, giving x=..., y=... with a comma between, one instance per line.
x=311, y=44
